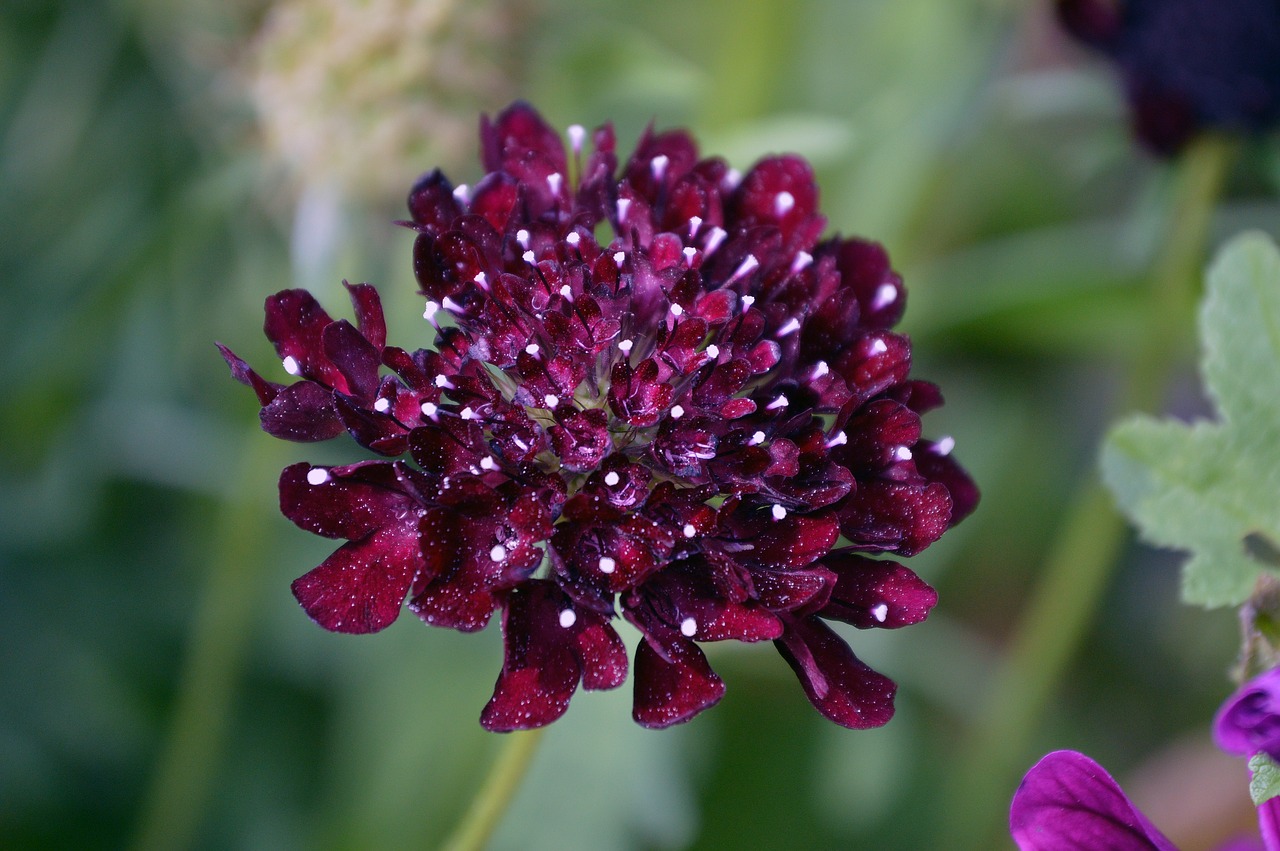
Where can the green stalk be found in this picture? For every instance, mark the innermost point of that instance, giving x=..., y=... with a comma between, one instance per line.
x=1080, y=561
x=491, y=802
x=183, y=777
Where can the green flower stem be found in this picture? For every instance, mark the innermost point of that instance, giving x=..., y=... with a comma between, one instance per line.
x=489, y=805
x=183, y=777
x=1080, y=561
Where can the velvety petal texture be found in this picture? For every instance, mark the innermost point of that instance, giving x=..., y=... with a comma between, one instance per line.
x=653, y=391
x=1249, y=721
x=1067, y=802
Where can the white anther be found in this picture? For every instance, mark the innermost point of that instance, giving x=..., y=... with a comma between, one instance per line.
x=566, y=290
x=689, y=253
x=450, y=305
x=713, y=351
x=568, y=618
x=551, y=400
x=554, y=181
x=381, y=405
x=791, y=326
x=577, y=134
x=820, y=369
x=677, y=412
x=689, y=530
x=481, y=279
x=623, y=205
x=747, y=301
x=688, y=627
x=291, y=365
x=611, y=478
x=429, y=409
x=779, y=513
x=783, y=202
x=619, y=257
x=572, y=238
x=676, y=309
x=902, y=453
x=467, y=413
x=607, y=565
x=880, y=611
x=528, y=257
x=430, y=311
x=531, y=349
x=756, y=439
x=944, y=446
x=732, y=178
x=524, y=447
x=695, y=222
x=317, y=476
x=886, y=294
x=462, y=193
x=714, y=238
x=840, y=439
x=803, y=259
x=878, y=346
x=624, y=346
x=498, y=553
x=658, y=166
x=487, y=463
x=522, y=237
x=442, y=381
x=746, y=267
x=780, y=402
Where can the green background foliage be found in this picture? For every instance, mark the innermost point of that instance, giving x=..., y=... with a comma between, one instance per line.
x=159, y=686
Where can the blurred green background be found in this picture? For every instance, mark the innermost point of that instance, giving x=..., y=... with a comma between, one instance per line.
x=165, y=166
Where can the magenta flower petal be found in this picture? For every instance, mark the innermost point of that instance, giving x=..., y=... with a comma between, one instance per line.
x=1249, y=721
x=1069, y=802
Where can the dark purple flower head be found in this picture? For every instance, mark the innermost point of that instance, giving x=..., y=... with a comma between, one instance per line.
x=1188, y=65
x=655, y=392
x=1249, y=721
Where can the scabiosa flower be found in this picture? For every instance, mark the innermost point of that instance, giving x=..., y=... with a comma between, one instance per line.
x=1188, y=65
x=655, y=393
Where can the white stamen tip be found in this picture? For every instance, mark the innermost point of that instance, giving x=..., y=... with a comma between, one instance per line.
x=713, y=351
x=746, y=267
x=747, y=301
x=624, y=346
x=779, y=513
x=780, y=402
x=803, y=259
x=566, y=291
x=611, y=478
x=607, y=565
x=695, y=222
x=624, y=204
x=572, y=237
x=689, y=530
x=789, y=327
x=944, y=445
x=467, y=413
x=688, y=627
x=524, y=447
x=577, y=135
x=317, y=476
x=291, y=365
x=381, y=405
x=429, y=409
x=714, y=238
x=522, y=237
x=442, y=381
x=783, y=203
x=902, y=453
x=677, y=412
x=840, y=439
x=568, y=618
x=430, y=311
x=878, y=346
x=450, y=305
x=880, y=611
x=531, y=349
x=820, y=369
x=676, y=309
x=886, y=294
x=551, y=400
x=554, y=182
x=528, y=257
x=481, y=279
x=487, y=463
x=658, y=165
x=756, y=439
x=498, y=553
x=462, y=193
x=732, y=178
x=619, y=257
x=689, y=253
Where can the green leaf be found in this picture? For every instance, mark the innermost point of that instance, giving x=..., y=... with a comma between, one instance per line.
x=1265, y=783
x=1214, y=487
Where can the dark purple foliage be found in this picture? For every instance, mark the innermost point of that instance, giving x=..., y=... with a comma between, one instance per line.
x=677, y=426
x=1188, y=65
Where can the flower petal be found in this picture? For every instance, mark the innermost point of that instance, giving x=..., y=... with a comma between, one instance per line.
x=837, y=683
x=1249, y=721
x=674, y=689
